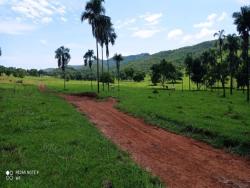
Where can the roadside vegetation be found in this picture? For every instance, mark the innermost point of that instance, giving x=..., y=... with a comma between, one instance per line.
x=41, y=131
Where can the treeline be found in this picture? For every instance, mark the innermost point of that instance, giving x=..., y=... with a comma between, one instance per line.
x=20, y=73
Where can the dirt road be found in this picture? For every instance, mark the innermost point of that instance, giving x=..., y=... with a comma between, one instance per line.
x=180, y=162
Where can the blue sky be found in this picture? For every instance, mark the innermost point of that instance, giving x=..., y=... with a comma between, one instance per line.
x=31, y=30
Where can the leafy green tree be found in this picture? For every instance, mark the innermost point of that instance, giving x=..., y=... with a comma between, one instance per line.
x=118, y=58
x=107, y=78
x=63, y=57
x=242, y=21
x=188, y=64
x=232, y=46
x=163, y=72
x=156, y=74
x=223, y=73
x=88, y=61
x=198, y=72
x=209, y=60
x=139, y=76
x=94, y=13
x=129, y=71
x=241, y=77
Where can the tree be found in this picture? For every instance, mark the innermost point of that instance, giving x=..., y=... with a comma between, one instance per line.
x=220, y=42
x=242, y=21
x=223, y=72
x=232, y=46
x=107, y=78
x=188, y=64
x=209, y=60
x=88, y=56
x=156, y=74
x=197, y=72
x=118, y=58
x=0, y=52
x=63, y=57
x=94, y=12
x=104, y=34
x=110, y=39
x=139, y=76
x=129, y=71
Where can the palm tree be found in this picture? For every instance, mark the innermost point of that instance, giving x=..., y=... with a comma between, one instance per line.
x=111, y=37
x=118, y=58
x=221, y=37
x=94, y=12
x=106, y=26
x=232, y=45
x=242, y=21
x=188, y=63
x=89, y=55
x=63, y=57
x=220, y=42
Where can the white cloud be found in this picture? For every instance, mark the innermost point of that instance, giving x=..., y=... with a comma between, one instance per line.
x=64, y=19
x=243, y=2
x=14, y=27
x=145, y=33
x=43, y=42
x=202, y=35
x=173, y=34
x=46, y=20
x=222, y=17
x=126, y=23
x=211, y=20
x=208, y=23
x=152, y=19
x=38, y=10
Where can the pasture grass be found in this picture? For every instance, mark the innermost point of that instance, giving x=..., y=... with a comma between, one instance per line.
x=203, y=115
x=41, y=131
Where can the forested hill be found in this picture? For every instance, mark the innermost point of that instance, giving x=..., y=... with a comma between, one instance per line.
x=175, y=56
x=143, y=62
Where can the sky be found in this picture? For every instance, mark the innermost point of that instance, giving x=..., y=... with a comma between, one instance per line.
x=31, y=30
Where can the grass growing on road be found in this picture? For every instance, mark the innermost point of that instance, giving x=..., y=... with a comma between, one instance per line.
x=40, y=131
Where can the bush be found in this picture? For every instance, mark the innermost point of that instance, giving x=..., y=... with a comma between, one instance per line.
x=139, y=76
x=107, y=78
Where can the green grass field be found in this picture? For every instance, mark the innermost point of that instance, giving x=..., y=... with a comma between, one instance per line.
x=203, y=115
x=40, y=131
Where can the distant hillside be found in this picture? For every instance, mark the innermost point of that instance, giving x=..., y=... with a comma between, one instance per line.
x=127, y=59
x=175, y=56
x=144, y=61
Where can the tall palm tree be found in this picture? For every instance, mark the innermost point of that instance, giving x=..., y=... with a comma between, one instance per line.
x=220, y=35
x=88, y=61
x=106, y=25
x=63, y=57
x=232, y=46
x=188, y=63
x=242, y=21
x=94, y=12
x=111, y=37
x=118, y=58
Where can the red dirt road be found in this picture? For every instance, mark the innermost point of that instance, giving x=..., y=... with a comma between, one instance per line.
x=180, y=162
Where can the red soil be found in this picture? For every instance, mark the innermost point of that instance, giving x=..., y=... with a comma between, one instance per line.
x=177, y=160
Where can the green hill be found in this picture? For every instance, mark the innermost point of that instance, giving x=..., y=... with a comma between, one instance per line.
x=175, y=56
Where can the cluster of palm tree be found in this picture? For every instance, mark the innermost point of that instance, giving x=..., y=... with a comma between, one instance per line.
x=242, y=21
x=207, y=70
x=102, y=30
x=63, y=57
